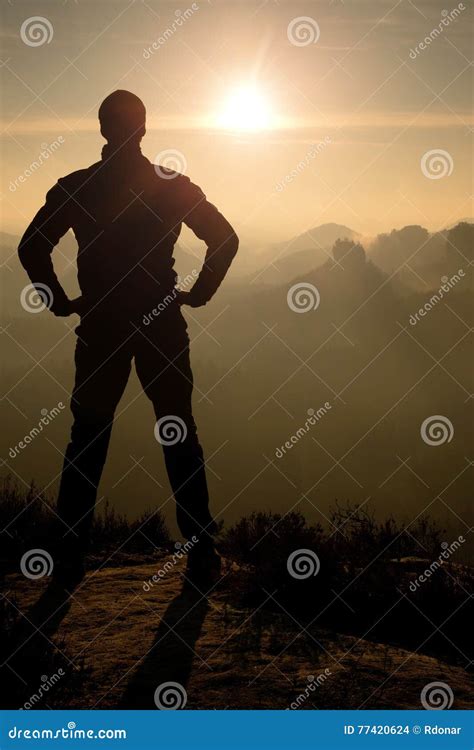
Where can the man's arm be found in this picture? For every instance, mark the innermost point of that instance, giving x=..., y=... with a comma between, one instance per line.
x=50, y=223
x=221, y=240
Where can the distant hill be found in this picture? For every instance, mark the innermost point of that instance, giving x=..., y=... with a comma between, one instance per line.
x=465, y=220
x=419, y=258
x=302, y=253
x=324, y=235
x=318, y=238
x=416, y=258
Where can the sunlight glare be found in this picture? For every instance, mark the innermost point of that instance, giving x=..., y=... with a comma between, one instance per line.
x=245, y=109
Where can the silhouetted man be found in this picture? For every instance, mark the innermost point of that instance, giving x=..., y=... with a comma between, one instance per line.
x=126, y=215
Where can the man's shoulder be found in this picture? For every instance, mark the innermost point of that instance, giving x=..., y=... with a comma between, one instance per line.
x=175, y=183
x=75, y=180
x=169, y=175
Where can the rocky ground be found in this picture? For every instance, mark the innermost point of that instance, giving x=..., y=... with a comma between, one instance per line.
x=116, y=643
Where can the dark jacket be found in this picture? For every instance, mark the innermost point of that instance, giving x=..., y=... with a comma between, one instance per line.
x=126, y=215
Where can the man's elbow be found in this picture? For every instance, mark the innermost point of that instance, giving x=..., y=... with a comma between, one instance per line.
x=33, y=247
x=232, y=244
x=24, y=250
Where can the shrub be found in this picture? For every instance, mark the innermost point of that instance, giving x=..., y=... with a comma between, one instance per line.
x=362, y=586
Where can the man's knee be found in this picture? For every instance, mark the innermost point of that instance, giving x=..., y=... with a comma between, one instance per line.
x=177, y=431
x=88, y=428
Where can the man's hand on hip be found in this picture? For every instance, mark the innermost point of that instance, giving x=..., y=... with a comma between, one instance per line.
x=186, y=298
x=75, y=306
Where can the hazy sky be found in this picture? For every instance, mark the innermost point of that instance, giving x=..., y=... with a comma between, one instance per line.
x=343, y=78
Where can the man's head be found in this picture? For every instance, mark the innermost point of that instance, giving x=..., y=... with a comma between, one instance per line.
x=122, y=117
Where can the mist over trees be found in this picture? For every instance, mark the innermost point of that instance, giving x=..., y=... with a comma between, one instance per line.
x=384, y=341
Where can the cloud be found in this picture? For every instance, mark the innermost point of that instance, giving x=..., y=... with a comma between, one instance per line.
x=300, y=130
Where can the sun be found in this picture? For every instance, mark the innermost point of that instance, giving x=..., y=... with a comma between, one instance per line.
x=246, y=108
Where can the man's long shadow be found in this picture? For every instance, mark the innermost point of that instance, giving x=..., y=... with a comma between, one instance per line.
x=29, y=650
x=171, y=657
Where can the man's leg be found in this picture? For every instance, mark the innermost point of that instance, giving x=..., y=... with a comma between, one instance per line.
x=164, y=369
x=102, y=371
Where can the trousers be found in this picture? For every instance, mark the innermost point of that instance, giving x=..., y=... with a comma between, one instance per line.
x=103, y=359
